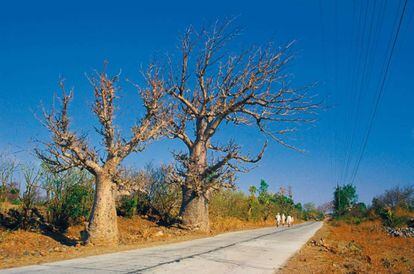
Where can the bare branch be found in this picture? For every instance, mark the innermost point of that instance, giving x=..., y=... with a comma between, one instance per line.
x=68, y=149
x=213, y=88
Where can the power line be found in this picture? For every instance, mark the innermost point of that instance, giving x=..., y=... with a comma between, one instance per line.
x=380, y=92
x=365, y=76
x=356, y=77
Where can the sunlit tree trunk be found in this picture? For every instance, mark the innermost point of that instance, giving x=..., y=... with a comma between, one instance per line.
x=194, y=210
x=194, y=207
x=103, y=227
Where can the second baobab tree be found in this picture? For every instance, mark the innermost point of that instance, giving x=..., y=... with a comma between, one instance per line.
x=69, y=149
x=212, y=88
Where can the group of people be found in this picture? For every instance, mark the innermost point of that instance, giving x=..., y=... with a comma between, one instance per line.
x=282, y=220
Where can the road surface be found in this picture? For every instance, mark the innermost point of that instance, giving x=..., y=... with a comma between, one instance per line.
x=251, y=251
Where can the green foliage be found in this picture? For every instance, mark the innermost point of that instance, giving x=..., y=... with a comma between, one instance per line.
x=260, y=204
x=127, y=206
x=27, y=216
x=229, y=203
x=15, y=202
x=344, y=199
x=157, y=196
x=164, y=195
x=359, y=210
x=298, y=207
x=7, y=170
x=69, y=197
x=252, y=190
x=346, y=207
x=395, y=207
x=263, y=192
x=10, y=192
x=284, y=202
x=310, y=212
x=395, y=197
x=78, y=200
x=390, y=218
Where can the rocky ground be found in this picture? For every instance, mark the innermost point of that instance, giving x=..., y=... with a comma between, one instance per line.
x=344, y=248
x=406, y=232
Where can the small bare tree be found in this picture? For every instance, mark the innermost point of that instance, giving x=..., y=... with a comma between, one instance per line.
x=68, y=149
x=210, y=88
x=30, y=195
x=8, y=167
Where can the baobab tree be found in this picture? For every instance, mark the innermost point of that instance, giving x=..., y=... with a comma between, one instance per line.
x=211, y=88
x=68, y=149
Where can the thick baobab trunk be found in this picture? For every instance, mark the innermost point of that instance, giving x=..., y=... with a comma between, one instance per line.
x=194, y=206
x=103, y=227
x=194, y=210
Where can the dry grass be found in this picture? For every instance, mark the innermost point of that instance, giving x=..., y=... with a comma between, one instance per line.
x=344, y=248
x=220, y=224
x=6, y=206
x=18, y=248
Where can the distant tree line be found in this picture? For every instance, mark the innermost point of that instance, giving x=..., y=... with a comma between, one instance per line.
x=395, y=207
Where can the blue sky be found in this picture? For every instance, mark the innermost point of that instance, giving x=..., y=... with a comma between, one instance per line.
x=43, y=41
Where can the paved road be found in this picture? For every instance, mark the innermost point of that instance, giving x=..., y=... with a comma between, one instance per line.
x=253, y=251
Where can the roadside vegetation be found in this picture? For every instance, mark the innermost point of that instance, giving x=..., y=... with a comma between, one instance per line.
x=362, y=239
x=44, y=214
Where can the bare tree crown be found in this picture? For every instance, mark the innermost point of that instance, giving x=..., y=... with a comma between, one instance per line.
x=209, y=86
x=68, y=149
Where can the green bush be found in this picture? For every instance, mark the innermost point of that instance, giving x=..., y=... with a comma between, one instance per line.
x=158, y=197
x=311, y=212
x=259, y=205
x=69, y=197
x=127, y=206
x=396, y=221
x=143, y=203
x=345, y=198
x=395, y=206
x=9, y=192
x=73, y=208
x=229, y=203
x=15, y=202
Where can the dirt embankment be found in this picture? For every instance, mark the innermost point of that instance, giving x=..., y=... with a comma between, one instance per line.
x=20, y=247
x=344, y=248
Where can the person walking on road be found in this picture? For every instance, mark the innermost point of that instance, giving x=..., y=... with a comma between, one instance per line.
x=278, y=219
x=289, y=220
x=283, y=219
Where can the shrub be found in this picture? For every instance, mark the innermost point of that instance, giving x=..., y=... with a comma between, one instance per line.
x=8, y=167
x=127, y=206
x=69, y=197
x=359, y=210
x=344, y=199
x=395, y=207
x=395, y=197
x=164, y=195
x=22, y=219
x=310, y=212
x=157, y=196
x=230, y=203
x=143, y=203
x=396, y=221
x=259, y=205
x=27, y=216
